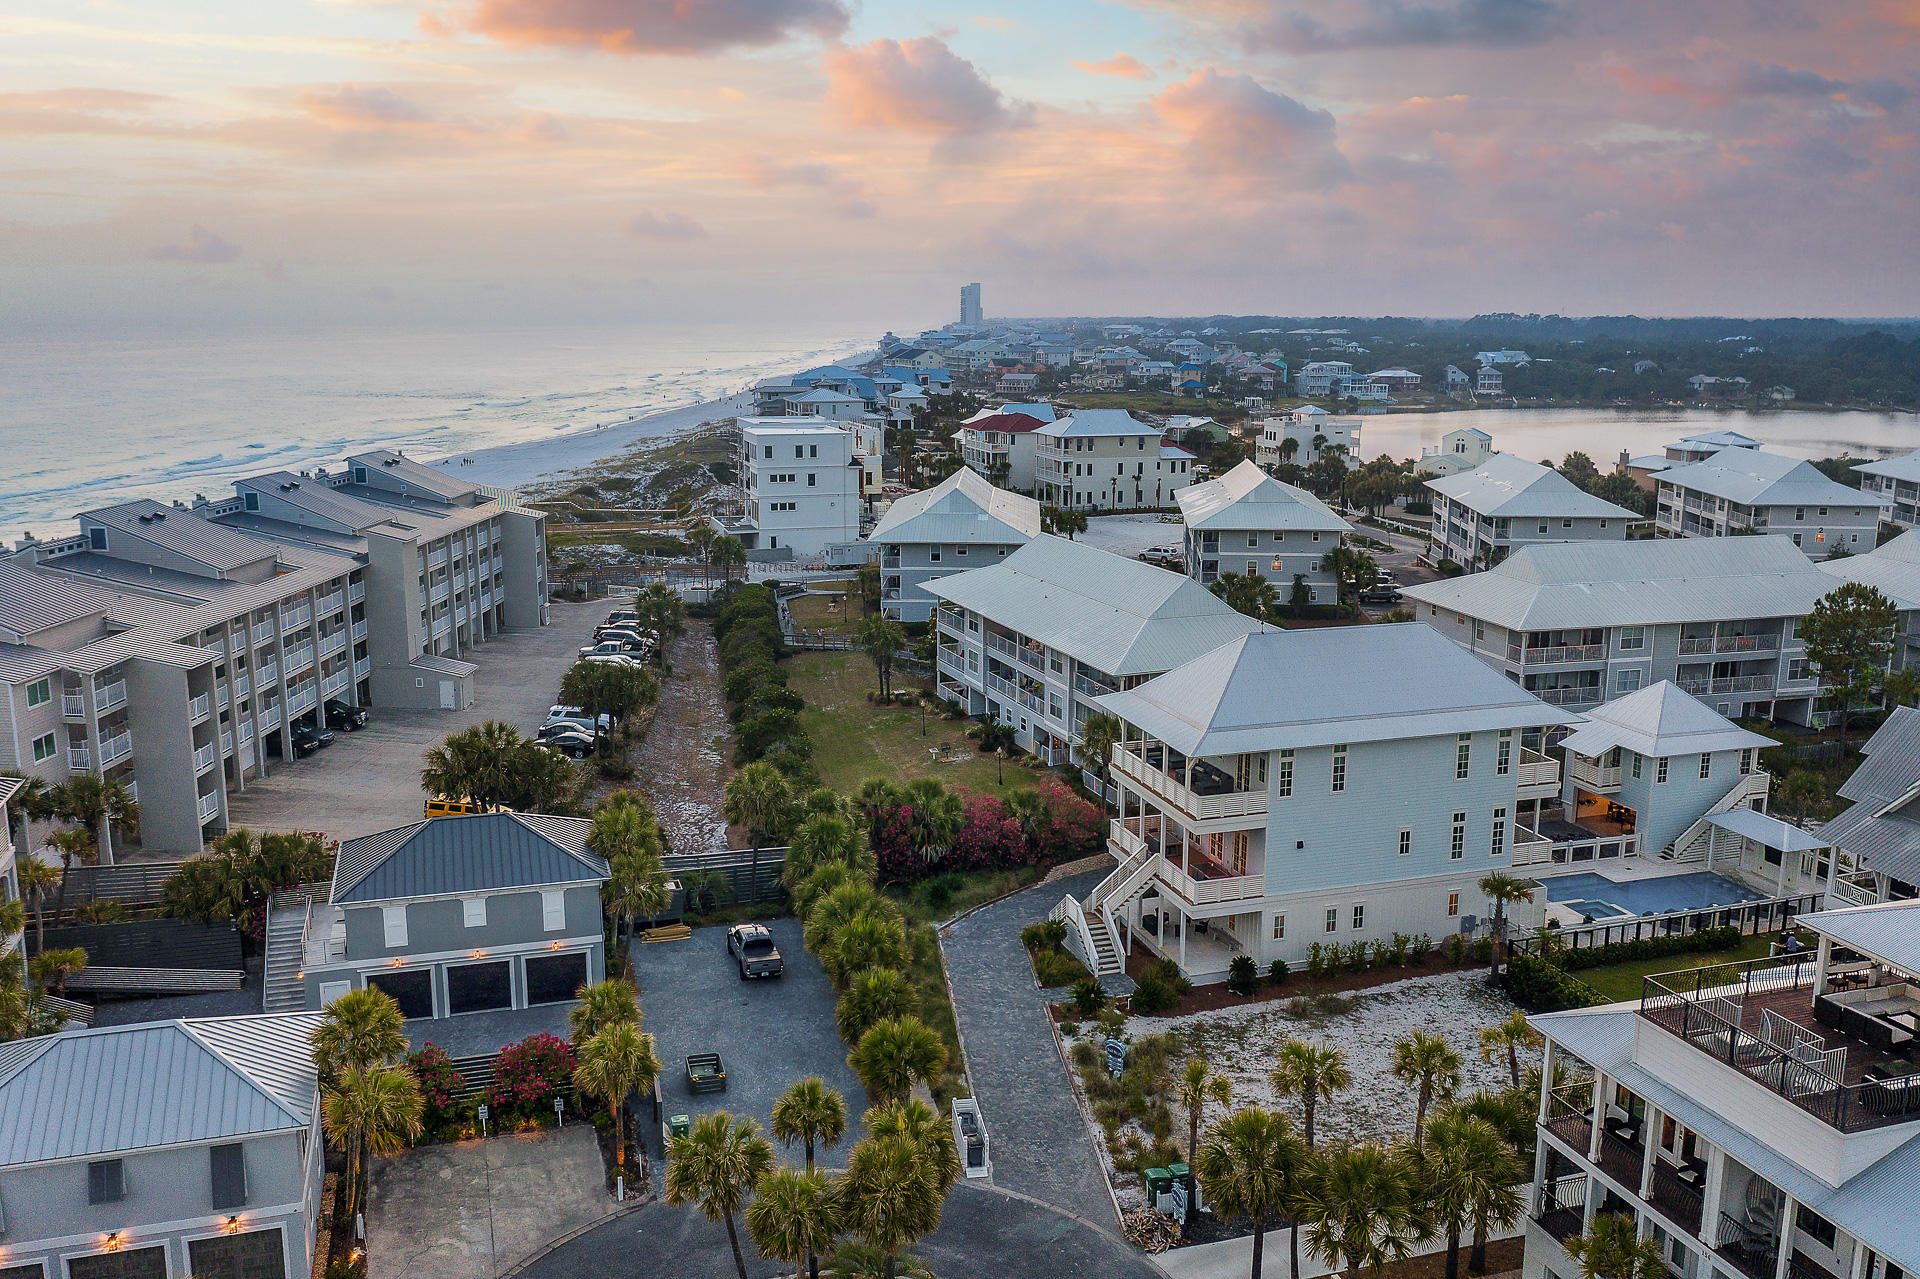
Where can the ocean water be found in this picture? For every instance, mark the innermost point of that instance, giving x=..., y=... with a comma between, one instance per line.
x=84, y=422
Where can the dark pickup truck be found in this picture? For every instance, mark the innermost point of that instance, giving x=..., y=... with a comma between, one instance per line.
x=752, y=945
x=705, y=1073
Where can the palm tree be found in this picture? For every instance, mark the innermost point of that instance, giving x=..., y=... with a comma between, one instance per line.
x=823, y=838
x=880, y=637
x=810, y=1113
x=916, y=1121
x=1502, y=890
x=612, y=1065
x=717, y=1165
x=370, y=1111
x=473, y=764
x=1361, y=1208
x=938, y=815
x=637, y=888
x=662, y=617
x=869, y=940
x=1508, y=1038
x=1289, y=448
x=1429, y=1063
x=890, y=1195
x=1249, y=1167
x=1472, y=1173
x=1310, y=1072
x=52, y=968
x=728, y=553
x=759, y=799
x=34, y=799
x=75, y=843
x=359, y=1030
x=1197, y=1086
x=794, y=1217
x=894, y=1053
x=875, y=995
x=37, y=879
x=600, y=1005
x=1098, y=736
x=99, y=804
x=1611, y=1249
x=1798, y=790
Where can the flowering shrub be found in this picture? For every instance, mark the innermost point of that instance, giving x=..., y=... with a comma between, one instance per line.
x=890, y=835
x=439, y=1083
x=1078, y=825
x=989, y=838
x=527, y=1076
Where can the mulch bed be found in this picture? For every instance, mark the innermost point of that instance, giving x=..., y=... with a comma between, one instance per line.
x=1296, y=986
x=639, y=1185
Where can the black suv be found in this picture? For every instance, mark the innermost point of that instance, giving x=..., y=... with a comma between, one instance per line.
x=308, y=739
x=342, y=716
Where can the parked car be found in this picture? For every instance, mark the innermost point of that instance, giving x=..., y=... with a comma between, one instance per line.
x=1163, y=555
x=618, y=630
x=611, y=646
x=617, y=659
x=560, y=710
x=574, y=745
x=341, y=715
x=580, y=720
x=307, y=739
x=752, y=946
x=622, y=615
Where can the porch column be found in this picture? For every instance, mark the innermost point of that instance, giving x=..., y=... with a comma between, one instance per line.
x=1780, y=880
x=1599, y=1117
x=1185, y=924
x=1647, y=1147
x=1710, y=1194
x=1860, y=1262
x=1789, y=1207
x=1548, y=1056
x=1822, y=959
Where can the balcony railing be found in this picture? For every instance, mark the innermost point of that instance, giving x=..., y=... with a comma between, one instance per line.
x=1087, y=686
x=1203, y=892
x=262, y=633
x=209, y=806
x=204, y=758
x=269, y=674
x=1580, y=695
x=1752, y=1253
x=356, y=591
x=1006, y=688
x=1570, y=1116
x=1731, y=684
x=226, y=742
x=336, y=681
x=79, y=759
x=362, y=666
x=1537, y=769
x=1177, y=794
x=270, y=717
x=1679, y=1201
x=1693, y=644
x=299, y=659
x=1560, y=653
x=1622, y=1159
x=951, y=619
x=331, y=603
x=1002, y=645
x=242, y=685
x=200, y=707
x=1589, y=773
x=1562, y=1208
x=115, y=749
x=73, y=705
x=114, y=694
x=294, y=619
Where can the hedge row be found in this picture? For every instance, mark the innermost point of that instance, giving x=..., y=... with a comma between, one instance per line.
x=765, y=713
x=1540, y=987
x=1626, y=952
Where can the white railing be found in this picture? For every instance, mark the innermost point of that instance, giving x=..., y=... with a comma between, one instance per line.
x=204, y=758
x=262, y=633
x=293, y=620
x=246, y=731
x=114, y=694
x=1583, y=695
x=209, y=806
x=1079, y=941
x=226, y=742
x=299, y=659
x=356, y=591
x=1164, y=786
x=73, y=705
x=1002, y=645
x=1691, y=843
x=1130, y=876
x=1087, y=686
x=1590, y=774
x=200, y=707
x=442, y=626
x=1202, y=892
x=115, y=748
x=302, y=700
x=1537, y=769
x=359, y=631
x=1531, y=848
x=362, y=666
x=437, y=558
x=1006, y=688
x=336, y=681
x=951, y=619
x=1731, y=684
x=1565, y=653
x=269, y=673
x=951, y=660
x=242, y=685
x=270, y=717
x=79, y=759
x=1691, y=644
x=331, y=603
x=331, y=644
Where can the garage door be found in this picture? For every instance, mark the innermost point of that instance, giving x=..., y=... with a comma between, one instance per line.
x=555, y=979
x=477, y=988
x=129, y=1263
x=257, y=1254
x=413, y=990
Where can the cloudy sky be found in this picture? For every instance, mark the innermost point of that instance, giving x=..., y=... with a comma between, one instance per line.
x=165, y=162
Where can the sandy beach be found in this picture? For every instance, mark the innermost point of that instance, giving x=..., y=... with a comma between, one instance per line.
x=515, y=465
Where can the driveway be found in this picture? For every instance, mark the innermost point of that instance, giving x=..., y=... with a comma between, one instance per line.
x=983, y=1231
x=369, y=780
x=482, y=1034
x=770, y=1034
x=474, y=1208
x=1040, y=1144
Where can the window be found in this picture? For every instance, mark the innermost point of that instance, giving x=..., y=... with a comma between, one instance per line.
x=799, y=451
x=1632, y=638
x=39, y=692
x=1503, y=759
x=1279, y=927
x=43, y=748
x=1746, y=761
x=1499, y=844
x=1626, y=681
x=1339, y=769
x=106, y=1181
x=1543, y=526
x=1813, y=1224
x=1406, y=840
x=768, y=452
x=933, y=555
x=229, y=1168
x=1462, y=757
x=553, y=909
x=1566, y=523
x=1706, y=766
x=1453, y=904
x=1660, y=771
x=250, y=501
x=1333, y=919
x=813, y=450
x=474, y=911
x=97, y=539
x=1457, y=849
x=1253, y=540
x=812, y=479
x=1359, y=915
x=1799, y=512
x=393, y=925
x=1636, y=767
x=1283, y=784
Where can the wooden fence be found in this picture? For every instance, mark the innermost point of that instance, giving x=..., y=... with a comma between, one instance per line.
x=738, y=866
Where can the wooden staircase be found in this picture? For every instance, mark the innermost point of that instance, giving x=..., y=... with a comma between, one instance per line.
x=283, y=990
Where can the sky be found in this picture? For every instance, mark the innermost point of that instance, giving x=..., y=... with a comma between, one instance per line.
x=253, y=164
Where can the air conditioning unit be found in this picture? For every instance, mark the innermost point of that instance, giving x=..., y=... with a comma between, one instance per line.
x=1469, y=924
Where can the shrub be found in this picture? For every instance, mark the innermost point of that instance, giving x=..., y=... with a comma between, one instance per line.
x=1152, y=995
x=1483, y=950
x=616, y=768
x=1277, y=972
x=1169, y=972
x=1057, y=968
x=1356, y=957
x=1456, y=949
x=1069, y=1028
x=1084, y=1056
x=1046, y=935
x=1539, y=986
x=1243, y=978
x=1648, y=948
x=527, y=1076
x=1088, y=997
x=1316, y=961
x=439, y=1084
x=1422, y=948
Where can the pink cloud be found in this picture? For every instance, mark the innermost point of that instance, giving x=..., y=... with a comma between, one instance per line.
x=361, y=105
x=917, y=86
x=1124, y=65
x=1237, y=126
x=644, y=26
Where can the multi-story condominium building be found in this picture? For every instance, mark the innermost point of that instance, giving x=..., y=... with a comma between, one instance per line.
x=1876, y=838
x=1269, y=801
x=1581, y=622
x=1698, y=448
x=961, y=523
x=1311, y=381
x=188, y=1147
x=1106, y=460
x=1397, y=378
x=971, y=312
x=1740, y=490
x=1483, y=515
x=800, y=485
x=1893, y=569
x=1301, y=435
x=1755, y=1121
x=11, y=952
x=1895, y=481
x=1502, y=357
x=1030, y=641
x=1001, y=445
x=450, y=915
x=1466, y=449
x=1248, y=522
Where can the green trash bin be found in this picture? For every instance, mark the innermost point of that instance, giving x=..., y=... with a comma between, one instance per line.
x=1180, y=1173
x=1159, y=1182
x=679, y=1126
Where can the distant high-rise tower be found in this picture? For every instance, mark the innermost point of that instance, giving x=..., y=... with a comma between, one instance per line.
x=970, y=311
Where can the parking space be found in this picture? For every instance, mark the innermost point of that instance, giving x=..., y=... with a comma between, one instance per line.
x=769, y=1033
x=369, y=780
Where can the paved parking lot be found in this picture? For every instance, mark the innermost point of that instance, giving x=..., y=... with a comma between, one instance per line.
x=369, y=780
x=769, y=1034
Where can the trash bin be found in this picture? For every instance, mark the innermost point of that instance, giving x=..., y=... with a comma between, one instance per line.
x=679, y=1126
x=1180, y=1173
x=1159, y=1182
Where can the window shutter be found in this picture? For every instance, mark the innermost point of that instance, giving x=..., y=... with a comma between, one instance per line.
x=106, y=1181
x=393, y=925
x=474, y=910
x=229, y=1175
x=553, y=909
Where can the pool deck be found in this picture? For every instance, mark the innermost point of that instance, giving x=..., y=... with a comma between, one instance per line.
x=1626, y=871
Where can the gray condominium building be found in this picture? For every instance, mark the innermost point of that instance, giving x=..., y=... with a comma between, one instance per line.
x=176, y=650
x=1742, y=491
x=1484, y=515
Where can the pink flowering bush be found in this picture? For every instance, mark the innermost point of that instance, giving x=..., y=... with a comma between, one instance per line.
x=1078, y=826
x=890, y=835
x=527, y=1076
x=989, y=838
x=439, y=1083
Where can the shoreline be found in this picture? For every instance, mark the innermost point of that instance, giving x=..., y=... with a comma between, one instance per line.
x=527, y=462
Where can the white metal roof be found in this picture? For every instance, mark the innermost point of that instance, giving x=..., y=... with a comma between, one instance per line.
x=184, y=533
x=1767, y=830
x=1290, y=689
x=962, y=508
x=1905, y=467
x=1108, y=611
x=1889, y=931
x=1098, y=422
x=1660, y=719
x=1752, y=477
x=1566, y=585
x=1893, y=569
x=1509, y=487
x=1248, y=498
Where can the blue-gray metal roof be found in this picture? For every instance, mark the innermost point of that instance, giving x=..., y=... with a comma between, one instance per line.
x=95, y=1092
x=1882, y=824
x=1510, y=487
x=1248, y=498
x=183, y=533
x=413, y=474
x=1756, y=478
x=446, y=856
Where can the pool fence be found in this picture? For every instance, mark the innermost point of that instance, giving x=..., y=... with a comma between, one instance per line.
x=1765, y=915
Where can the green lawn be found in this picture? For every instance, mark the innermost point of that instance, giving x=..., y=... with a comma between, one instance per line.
x=854, y=740
x=1622, y=981
x=839, y=615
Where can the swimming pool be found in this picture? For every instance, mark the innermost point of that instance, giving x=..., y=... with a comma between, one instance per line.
x=1597, y=897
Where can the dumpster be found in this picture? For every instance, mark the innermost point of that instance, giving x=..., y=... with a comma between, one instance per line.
x=679, y=1126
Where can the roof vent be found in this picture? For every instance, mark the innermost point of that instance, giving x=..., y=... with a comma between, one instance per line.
x=146, y=519
x=158, y=516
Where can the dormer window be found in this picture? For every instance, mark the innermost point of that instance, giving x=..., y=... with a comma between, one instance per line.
x=97, y=539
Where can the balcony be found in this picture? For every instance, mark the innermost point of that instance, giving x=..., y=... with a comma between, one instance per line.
x=299, y=659
x=363, y=666
x=73, y=705
x=270, y=717
x=1000, y=644
x=294, y=619
x=1006, y=688
x=79, y=759
x=1589, y=774
x=331, y=644
x=436, y=558
x=1537, y=769
x=1622, y=1157
x=1695, y=644
x=1087, y=686
x=1562, y=1207
x=242, y=686
x=1730, y=684
x=1560, y=654
x=220, y=697
x=114, y=694
x=440, y=592
x=356, y=591
x=1570, y=1116
x=951, y=660
x=246, y=731
x=1575, y=695
x=1751, y=1252
x=331, y=603
x=115, y=748
x=263, y=633
x=336, y=681
x=199, y=708
x=1194, y=788
x=226, y=742
x=269, y=674
x=1676, y=1198
x=1203, y=892
x=209, y=807
x=951, y=619
x=204, y=758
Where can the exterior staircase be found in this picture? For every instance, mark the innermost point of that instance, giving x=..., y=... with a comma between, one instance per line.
x=1693, y=842
x=283, y=991
x=1092, y=935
